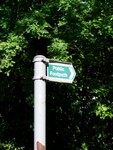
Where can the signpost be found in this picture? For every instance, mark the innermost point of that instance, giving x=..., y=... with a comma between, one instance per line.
x=61, y=72
x=57, y=72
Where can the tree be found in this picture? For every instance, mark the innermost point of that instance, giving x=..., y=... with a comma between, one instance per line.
x=79, y=116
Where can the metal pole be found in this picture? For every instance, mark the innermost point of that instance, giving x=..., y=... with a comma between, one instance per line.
x=39, y=102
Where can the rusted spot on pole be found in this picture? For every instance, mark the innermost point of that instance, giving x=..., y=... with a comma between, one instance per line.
x=40, y=146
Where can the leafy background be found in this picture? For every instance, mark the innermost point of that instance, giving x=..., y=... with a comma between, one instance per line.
x=80, y=115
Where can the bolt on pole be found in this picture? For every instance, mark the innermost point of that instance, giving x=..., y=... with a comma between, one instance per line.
x=40, y=102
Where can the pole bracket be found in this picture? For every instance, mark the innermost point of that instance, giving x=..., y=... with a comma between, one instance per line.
x=40, y=58
x=45, y=78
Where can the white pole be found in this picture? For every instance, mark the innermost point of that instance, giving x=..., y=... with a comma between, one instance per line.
x=39, y=102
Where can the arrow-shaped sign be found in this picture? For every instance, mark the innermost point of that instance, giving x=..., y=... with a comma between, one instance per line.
x=60, y=72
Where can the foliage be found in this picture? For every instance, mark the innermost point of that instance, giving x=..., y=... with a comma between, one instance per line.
x=7, y=53
x=103, y=111
x=9, y=147
x=79, y=116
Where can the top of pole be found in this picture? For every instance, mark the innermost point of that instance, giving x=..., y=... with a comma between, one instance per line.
x=40, y=58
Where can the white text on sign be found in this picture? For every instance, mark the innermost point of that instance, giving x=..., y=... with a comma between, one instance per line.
x=58, y=68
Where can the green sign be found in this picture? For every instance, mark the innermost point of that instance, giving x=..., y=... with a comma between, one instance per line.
x=61, y=72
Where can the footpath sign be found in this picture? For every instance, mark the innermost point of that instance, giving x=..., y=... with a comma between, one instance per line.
x=60, y=72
